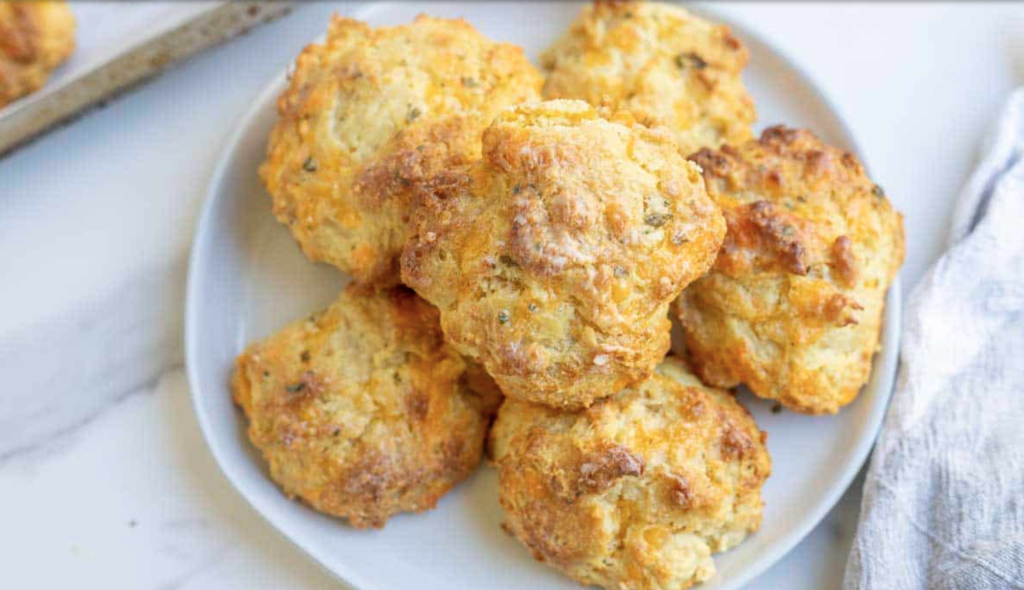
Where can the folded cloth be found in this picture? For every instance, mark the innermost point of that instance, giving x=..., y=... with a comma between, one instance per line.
x=944, y=496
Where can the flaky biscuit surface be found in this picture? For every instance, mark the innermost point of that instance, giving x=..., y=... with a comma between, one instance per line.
x=554, y=261
x=638, y=490
x=793, y=306
x=35, y=37
x=372, y=116
x=660, y=62
x=361, y=410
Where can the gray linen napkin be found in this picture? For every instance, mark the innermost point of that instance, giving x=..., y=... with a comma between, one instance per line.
x=944, y=496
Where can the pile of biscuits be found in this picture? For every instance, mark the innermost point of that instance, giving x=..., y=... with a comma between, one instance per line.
x=517, y=241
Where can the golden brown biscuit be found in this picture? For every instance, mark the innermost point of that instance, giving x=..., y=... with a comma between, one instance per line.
x=361, y=410
x=638, y=490
x=35, y=37
x=657, y=60
x=793, y=305
x=553, y=263
x=373, y=116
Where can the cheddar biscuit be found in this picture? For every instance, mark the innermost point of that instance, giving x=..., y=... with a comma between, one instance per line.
x=638, y=490
x=660, y=62
x=793, y=305
x=35, y=38
x=361, y=410
x=554, y=261
x=370, y=118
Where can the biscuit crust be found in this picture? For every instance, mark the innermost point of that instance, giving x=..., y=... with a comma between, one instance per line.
x=554, y=260
x=370, y=118
x=638, y=490
x=793, y=305
x=35, y=37
x=361, y=410
x=660, y=62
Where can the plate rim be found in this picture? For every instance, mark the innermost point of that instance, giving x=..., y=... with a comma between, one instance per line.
x=887, y=360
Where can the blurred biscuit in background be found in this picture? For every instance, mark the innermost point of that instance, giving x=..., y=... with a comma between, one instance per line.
x=35, y=38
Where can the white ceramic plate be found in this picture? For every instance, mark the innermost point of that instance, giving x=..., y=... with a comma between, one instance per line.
x=247, y=278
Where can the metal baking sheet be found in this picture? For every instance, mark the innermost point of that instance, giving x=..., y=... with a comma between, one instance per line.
x=120, y=44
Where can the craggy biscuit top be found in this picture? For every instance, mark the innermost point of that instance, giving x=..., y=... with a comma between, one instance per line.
x=638, y=490
x=553, y=261
x=35, y=37
x=373, y=116
x=793, y=304
x=660, y=62
x=361, y=410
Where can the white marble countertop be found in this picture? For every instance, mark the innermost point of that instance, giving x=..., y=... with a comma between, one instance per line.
x=104, y=476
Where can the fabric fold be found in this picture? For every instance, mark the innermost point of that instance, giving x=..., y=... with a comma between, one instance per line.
x=943, y=503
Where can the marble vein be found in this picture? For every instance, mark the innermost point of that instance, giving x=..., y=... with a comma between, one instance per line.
x=183, y=579
x=67, y=370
